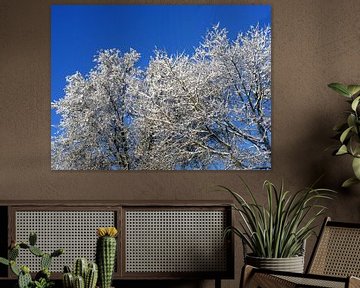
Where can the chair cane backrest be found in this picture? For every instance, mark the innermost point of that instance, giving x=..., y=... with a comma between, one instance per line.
x=337, y=252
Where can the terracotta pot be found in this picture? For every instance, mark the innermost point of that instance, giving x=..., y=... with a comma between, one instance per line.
x=291, y=264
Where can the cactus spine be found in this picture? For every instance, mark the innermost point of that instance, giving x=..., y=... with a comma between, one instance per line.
x=106, y=254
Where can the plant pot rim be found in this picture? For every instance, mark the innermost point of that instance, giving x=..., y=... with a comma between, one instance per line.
x=260, y=257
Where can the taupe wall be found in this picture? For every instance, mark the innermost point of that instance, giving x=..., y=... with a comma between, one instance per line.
x=315, y=42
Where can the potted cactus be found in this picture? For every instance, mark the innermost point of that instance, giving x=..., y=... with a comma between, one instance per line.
x=106, y=254
x=42, y=278
x=84, y=275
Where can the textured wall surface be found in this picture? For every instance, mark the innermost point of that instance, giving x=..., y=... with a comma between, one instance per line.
x=314, y=43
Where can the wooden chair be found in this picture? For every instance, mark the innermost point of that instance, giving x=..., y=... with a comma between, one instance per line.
x=334, y=263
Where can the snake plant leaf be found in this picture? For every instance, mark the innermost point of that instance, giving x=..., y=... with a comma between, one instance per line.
x=342, y=150
x=354, y=90
x=355, y=103
x=356, y=167
x=349, y=182
x=340, y=88
x=278, y=228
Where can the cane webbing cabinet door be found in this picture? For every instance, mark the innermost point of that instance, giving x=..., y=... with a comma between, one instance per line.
x=171, y=240
x=68, y=227
x=176, y=242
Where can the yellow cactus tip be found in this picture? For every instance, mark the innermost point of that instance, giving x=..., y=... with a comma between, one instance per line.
x=106, y=231
x=25, y=269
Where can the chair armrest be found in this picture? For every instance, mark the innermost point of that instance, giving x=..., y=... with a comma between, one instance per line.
x=354, y=282
x=252, y=277
x=255, y=277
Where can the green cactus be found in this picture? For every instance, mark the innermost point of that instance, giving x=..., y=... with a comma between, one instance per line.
x=32, y=238
x=80, y=267
x=45, y=261
x=87, y=272
x=67, y=269
x=68, y=280
x=24, y=280
x=13, y=253
x=57, y=252
x=91, y=276
x=79, y=282
x=24, y=245
x=105, y=255
x=42, y=278
x=36, y=251
x=14, y=268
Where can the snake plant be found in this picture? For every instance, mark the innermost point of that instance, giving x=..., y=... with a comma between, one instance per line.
x=279, y=228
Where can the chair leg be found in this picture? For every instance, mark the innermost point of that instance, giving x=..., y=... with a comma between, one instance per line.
x=217, y=283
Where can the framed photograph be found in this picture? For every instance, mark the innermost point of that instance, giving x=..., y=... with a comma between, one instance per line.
x=161, y=87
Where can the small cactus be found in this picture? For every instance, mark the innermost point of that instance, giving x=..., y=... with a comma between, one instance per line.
x=106, y=254
x=79, y=282
x=80, y=268
x=83, y=272
x=91, y=276
x=68, y=280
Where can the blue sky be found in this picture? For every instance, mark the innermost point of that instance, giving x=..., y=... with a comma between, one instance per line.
x=79, y=31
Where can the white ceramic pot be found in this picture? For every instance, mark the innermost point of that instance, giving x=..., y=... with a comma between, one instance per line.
x=291, y=264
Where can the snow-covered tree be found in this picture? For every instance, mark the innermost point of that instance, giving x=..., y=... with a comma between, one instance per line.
x=209, y=110
x=94, y=128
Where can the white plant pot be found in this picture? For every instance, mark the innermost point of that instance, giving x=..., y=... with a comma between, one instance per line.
x=291, y=264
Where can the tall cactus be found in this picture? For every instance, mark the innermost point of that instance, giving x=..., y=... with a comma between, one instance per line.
x=106, y=254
